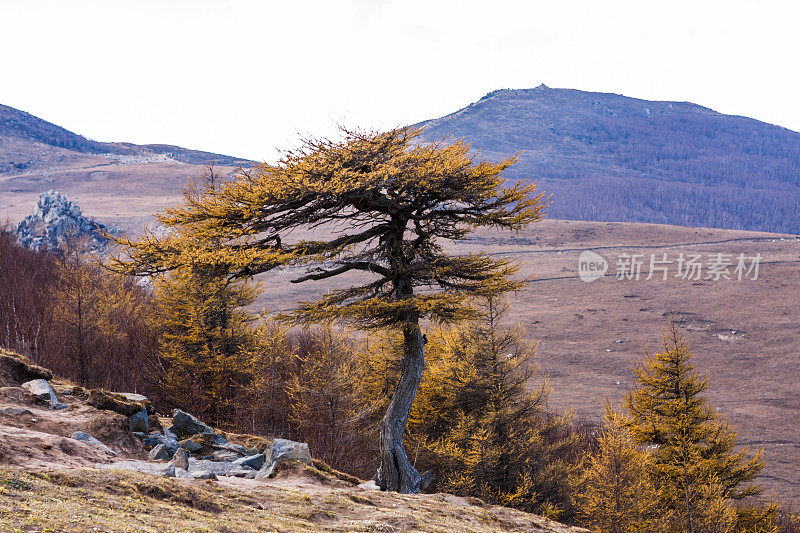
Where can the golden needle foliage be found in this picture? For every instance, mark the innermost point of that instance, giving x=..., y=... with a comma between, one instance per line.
x=614, y=492
x=694, y=464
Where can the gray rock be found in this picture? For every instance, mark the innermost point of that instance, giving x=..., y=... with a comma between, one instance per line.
x=221, y=468
x=225, y=455
x=154, y=439
x=291, y=450
x=191, y=446
x=139, y=422
x=181, y=459
x=132, y=396
x=159, y=452
x=251, y=451
x=240, y=450
x=253, y=461
x=15, y=411
x=284, y=450
x=186, y=425
x=203, y=474
x=248, y=473
x=182, y=473
x=369, y=485
x=154, y=469
x=54, y=220
x=91, y=441
x=41, y=389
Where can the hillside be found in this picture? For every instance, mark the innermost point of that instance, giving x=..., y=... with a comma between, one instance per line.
x=607, y=157
x=123, y=183
x=52, y=478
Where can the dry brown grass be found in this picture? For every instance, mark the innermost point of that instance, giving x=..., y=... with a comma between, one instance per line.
x=90, y=500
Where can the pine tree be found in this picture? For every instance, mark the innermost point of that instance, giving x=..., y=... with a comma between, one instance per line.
x=380, y=205
x=207, y=340
x=614, y=492
x=694, y=462
x=480, y=416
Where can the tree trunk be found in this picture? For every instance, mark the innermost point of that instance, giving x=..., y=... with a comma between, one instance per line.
x=396, y=472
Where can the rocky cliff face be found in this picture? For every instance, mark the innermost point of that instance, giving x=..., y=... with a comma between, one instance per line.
x=55, y=220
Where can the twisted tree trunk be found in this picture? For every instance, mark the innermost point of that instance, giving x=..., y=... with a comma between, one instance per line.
x=396, y=472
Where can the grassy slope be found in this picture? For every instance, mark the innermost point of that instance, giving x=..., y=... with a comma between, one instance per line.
x=89, y=500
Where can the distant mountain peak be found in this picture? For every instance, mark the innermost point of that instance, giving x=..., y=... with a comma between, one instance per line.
x=610, y=157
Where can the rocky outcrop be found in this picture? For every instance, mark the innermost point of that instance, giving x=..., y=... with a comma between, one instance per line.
x=56, y=220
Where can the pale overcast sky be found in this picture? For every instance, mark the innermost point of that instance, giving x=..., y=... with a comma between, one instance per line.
x=245, y=77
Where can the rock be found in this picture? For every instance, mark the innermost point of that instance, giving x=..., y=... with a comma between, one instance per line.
x=186, y=425
x=248, y=473
x=191, y=445
x=282, y=450
x=54, y=220
x=159, y=452
x=203, y=474
x=253, y=461
x=110, y=401
x=132, y=396
x=251, y=451
x=291, y=450
x=154, y=469
x=15, y=411
x=369, y=485
x=138, y=398
x=139, y=422
x=225, y=455
x=181, y=459
x=220, y=468
x=154, y=439
x=91, y=441
x=42, y=390
x=240, y=450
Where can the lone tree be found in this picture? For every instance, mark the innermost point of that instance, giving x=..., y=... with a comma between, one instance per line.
x=377, y=204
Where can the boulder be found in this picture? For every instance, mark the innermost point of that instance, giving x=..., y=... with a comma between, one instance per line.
x=160, y=452
x=229, y=446
x=220, y=468
x=244, y=472
x=191, y=446
x=91, y=441
x=154, y=469
x=225, y=455
x=181, y=459
x=253, y=461
x=15, y=411
x=42, y=390
x=186, y=425
x=139, y=422
x=290, y=450
x=154, y=439
x=203, y=474
x=138, y=398
x=280, y=451
x=111, y=401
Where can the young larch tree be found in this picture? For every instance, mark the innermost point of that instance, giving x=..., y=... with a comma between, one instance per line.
x=377, y=204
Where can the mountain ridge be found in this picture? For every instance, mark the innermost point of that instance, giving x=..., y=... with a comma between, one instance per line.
x=20, y=124
x=609, y=157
